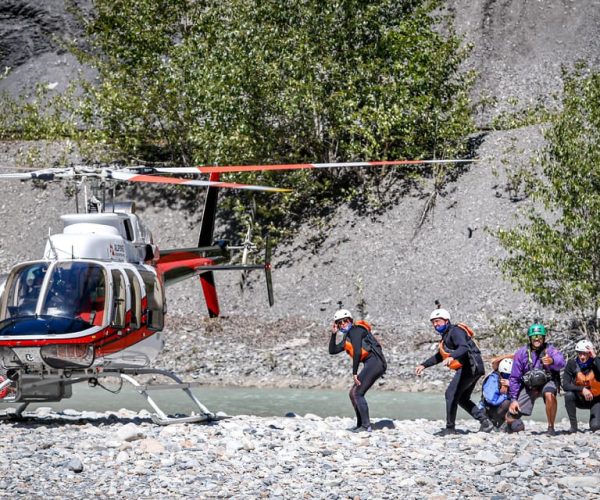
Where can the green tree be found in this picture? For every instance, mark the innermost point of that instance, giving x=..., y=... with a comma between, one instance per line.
x=555, y=254
x=242, y=80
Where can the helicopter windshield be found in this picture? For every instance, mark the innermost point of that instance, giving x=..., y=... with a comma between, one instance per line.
x=69, y=289
x=76, y=290
x=25, y=289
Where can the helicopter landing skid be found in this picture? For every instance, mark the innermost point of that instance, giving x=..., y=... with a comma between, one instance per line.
x=160, y=417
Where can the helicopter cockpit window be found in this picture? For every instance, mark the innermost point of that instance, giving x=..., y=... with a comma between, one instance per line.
x=119, y=307
x=76, y=290
x=136, y=299
x=25, y=286
x=156, y=305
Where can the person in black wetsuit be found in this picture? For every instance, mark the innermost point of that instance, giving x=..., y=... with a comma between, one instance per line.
x=581, y=382
x=458, y=352
x=361, y=345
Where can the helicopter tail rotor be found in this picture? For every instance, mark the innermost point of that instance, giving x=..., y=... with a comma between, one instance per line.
x=247, y=246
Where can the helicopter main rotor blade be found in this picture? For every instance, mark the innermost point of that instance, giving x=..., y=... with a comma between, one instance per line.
x=130, y=177
x=44, y=175
x=20, y=176
x=54, y=173
x=129, y=174
x=207, y=169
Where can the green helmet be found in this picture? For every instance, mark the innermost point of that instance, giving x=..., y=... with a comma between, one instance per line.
x=536, y=329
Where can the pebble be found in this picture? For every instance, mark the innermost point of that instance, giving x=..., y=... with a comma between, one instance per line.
x=287, y=457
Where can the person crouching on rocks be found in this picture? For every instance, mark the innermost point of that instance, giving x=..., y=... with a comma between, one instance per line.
x=494, y=395
x=457, y=351
x=361, y=346
x=581, y=382
x=535, y=373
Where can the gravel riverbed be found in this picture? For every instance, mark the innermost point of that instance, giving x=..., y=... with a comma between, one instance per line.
x=124, y=455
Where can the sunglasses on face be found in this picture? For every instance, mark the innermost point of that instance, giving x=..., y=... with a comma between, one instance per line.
x=340, y=322
x=537, y=337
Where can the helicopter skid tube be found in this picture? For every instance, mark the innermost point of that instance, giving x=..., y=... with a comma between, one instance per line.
x=160, y=417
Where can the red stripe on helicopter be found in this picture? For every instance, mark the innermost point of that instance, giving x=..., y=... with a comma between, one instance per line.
x=94, y=338
x=193, y=262
x=124, y=342
x=106, y=336
x=182, y=257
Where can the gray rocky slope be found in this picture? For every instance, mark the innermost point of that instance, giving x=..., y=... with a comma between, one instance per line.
x=382, y=263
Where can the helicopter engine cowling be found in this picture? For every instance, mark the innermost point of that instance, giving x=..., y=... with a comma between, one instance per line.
x=105, y=247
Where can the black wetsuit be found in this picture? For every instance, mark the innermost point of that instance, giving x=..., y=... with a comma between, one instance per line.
x=573, y=397
x=462, y=348
x=374, y=366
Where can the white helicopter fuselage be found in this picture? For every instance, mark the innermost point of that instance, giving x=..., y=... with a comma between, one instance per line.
x=94, y=302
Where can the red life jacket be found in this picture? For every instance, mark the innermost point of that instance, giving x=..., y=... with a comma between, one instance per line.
x=455, y=364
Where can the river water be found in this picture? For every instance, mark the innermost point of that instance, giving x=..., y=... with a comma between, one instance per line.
x=273, y=402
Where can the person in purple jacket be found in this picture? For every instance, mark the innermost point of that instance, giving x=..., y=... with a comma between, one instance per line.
x=535, y=372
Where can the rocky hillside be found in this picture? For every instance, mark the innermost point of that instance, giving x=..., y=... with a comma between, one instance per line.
x=386, y=264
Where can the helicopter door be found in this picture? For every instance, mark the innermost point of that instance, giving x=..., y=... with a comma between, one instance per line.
x=135, y=295
x=119, y=298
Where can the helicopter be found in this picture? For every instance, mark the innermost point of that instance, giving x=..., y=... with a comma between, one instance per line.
x=93, y=306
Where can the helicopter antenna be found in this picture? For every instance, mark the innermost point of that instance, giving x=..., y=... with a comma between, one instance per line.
x=52, y=244
x=76, y=198
x=113, y=191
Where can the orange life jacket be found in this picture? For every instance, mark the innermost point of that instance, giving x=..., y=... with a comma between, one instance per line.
x=455, y=364
x=348, y=345
x=589, y=381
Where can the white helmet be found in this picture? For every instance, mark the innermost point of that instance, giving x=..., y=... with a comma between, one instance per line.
x=505, y=365
x=584, y=346
x=341, y=314
x=439, y=313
